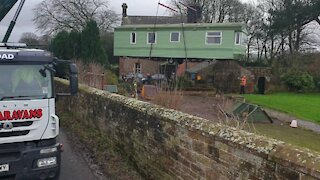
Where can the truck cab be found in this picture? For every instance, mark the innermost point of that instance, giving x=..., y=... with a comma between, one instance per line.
x=29, y=127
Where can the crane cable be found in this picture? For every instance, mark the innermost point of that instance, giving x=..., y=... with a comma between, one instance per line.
x=183, y=36
x=154, y=31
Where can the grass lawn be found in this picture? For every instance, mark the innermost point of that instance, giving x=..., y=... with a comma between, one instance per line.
x=295, y=136
x=303, y=106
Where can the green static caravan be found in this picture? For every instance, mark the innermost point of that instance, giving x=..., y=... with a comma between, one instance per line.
x=194, y=41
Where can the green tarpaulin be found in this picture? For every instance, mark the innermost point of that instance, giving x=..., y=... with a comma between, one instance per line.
x=250, y=112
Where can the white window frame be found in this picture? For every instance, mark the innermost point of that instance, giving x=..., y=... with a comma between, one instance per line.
x=244, y=39
x=131, y=38
x=135, y=67
x=178, y=37
x=206, y=39
x=236, y=35
x=155, y=38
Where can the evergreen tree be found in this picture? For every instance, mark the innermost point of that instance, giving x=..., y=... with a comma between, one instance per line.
x=291, y=17
x=60, y=46
x=107, y=41
x=91, y=48
x=75, y=44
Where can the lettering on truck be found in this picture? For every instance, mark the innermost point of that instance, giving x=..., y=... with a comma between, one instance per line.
x=6, y=56
x=20, y=114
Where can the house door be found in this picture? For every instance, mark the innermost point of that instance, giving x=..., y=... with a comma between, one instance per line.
x=261, y=85
x=167, y=70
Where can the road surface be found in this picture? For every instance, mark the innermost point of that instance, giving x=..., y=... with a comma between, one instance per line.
x=73, y=165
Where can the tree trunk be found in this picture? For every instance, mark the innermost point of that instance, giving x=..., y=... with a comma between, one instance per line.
x=221, y=15
x=265, y=52
x=298, y=38
x=248, y=51
x=272, y=48
x=282, y=44
x=258, y=46
x=290, y=42
x=261, y=52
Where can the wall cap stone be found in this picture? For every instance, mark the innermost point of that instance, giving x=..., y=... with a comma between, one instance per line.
x=302, y=159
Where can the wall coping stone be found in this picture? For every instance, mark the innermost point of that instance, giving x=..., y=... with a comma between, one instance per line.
x=304, y=160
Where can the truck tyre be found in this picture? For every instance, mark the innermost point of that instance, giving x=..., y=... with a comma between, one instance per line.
x=57, y=177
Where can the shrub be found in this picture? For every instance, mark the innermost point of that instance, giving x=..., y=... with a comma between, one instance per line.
x=298, y=81
x=111, y=78
x=318, y=85
x=125, y=88
x=183, y=82
x=168, y=99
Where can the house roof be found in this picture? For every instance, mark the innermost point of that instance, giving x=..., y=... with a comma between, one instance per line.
x=186, y=25
x=139, y=20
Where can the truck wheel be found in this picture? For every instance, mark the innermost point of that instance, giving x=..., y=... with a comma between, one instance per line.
x=57, y=177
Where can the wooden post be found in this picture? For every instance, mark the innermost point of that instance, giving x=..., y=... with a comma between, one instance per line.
x=102, y=83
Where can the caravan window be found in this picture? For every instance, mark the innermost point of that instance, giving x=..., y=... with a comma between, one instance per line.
x=152, y=37
x=214, y=37
x=175, y=37
x=237, y=38
x=133, y=38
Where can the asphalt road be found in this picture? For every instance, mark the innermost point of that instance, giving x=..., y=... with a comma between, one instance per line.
x=73, y=165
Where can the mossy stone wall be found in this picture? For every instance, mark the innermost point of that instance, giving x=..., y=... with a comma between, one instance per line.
x=167, y=144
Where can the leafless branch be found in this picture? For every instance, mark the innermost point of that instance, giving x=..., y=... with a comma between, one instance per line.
x=56, y=15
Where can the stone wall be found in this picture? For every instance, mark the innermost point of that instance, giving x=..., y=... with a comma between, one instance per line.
x=166, y=144
x=261, y=71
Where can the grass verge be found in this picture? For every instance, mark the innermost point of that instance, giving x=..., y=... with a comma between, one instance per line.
x=303, y=106
x=295, y=136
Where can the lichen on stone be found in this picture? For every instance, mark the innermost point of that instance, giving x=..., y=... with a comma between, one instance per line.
x=273, y=149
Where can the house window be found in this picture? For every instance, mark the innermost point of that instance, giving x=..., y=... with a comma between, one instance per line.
x=214, y=37
x=137, y=68
x=237, y=38
x=133, y=38
x=244, y=39
x=152, y=37
x=175, y=37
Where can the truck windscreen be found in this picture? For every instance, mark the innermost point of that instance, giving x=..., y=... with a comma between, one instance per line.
x=25, y=82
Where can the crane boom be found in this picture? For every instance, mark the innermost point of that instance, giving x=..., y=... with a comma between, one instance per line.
x=13, y=22
x=5, y=7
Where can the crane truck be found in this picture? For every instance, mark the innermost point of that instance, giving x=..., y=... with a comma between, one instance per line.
x=29, y=126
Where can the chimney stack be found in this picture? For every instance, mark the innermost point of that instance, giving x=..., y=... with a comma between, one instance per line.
x=124, y=10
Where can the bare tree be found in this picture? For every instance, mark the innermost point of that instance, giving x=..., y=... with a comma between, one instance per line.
x=29, y=38
x=275, y=27
x=252, y=17
x=56, y=15
x=218, y=11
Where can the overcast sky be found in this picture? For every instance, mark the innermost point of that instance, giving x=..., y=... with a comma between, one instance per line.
x=25, y=23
